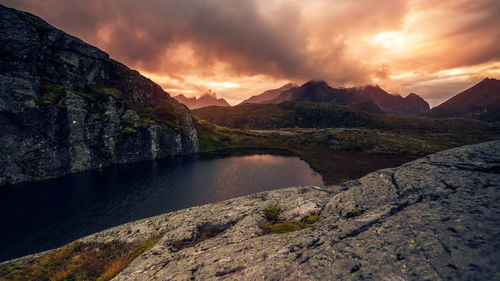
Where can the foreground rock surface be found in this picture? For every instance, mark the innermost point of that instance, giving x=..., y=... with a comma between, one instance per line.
x=66, y=107
x=435, y=218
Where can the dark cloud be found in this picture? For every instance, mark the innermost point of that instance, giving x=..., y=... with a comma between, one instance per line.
x=236, y=33
x=216, y=40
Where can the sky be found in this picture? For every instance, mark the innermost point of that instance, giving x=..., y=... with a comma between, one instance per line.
x=242, y=48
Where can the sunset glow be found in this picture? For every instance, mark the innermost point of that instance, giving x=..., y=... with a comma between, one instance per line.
x=242, y=48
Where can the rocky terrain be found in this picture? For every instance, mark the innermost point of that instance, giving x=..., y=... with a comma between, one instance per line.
x=66, y=107
x=435, y=218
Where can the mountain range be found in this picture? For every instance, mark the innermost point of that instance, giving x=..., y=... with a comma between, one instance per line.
x=371, y=99
x=207, y=99
x=480, y=102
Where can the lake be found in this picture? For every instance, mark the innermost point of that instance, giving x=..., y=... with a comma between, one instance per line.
x=47, y=214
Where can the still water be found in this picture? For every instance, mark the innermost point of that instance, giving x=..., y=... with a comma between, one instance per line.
x=47, y=214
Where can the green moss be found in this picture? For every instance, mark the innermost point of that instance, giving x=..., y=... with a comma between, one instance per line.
x=79, y=261
x=113, y=92
x=283, y=226
x=141, y=123
x=354, y=213
x=129, y=130
x=275, y=226
x=50, y=93
x=311, y=219
x=271, y=213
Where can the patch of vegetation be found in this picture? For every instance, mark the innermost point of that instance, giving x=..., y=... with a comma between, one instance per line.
x=282, y=226
x=129, y=131
x=271, y=213
x=51, y=93
x=131, y=126
x=79, y=261
x=168, y=113
x=311, y=219
x=273, y=225
x=354, y=213
x=97, y=90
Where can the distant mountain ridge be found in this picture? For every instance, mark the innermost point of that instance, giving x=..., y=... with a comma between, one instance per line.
x=207, y=99
x=269, y=94
x=372, y=99
x=480, y=102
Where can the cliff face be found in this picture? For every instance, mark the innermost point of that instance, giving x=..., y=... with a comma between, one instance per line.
x=435, y=218
x=66, y=107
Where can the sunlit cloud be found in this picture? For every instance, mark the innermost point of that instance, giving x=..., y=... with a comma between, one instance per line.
x=241, y=48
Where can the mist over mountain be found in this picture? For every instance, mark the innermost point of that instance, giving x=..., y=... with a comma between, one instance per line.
x=207, y=99
x=481, y=102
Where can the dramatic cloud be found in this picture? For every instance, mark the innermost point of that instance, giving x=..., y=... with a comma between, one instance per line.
x=239, y=48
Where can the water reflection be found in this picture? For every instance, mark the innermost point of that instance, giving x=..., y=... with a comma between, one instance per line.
x=47, y=214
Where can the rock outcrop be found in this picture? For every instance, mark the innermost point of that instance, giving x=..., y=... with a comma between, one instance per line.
x=66, y=107
x=435, y=218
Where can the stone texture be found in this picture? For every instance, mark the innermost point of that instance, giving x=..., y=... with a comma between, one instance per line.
x=435, y=218
x=51, y=126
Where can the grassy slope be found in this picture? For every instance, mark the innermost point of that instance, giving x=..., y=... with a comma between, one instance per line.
x=78, y=261
x=317, y=115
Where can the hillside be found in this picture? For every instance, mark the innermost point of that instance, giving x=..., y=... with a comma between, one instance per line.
x=481, y=102
x=292, y=114
x=207, y=99
x=66, y=107
x=372, y=99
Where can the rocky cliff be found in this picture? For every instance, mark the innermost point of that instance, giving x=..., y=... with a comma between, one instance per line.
x=435, y=218
x=66, y=107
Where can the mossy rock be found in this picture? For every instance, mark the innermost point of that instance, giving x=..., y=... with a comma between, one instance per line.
x=271, y=213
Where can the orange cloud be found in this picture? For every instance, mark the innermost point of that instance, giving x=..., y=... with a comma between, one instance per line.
x=240, y=48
